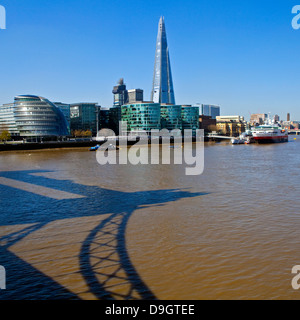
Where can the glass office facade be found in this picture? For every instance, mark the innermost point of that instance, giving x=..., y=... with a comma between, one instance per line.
x=190, y=117
x=210, y=110
x=162, y=90
x=171, y=117
x=115, y=118
x=148, y=116
x=85, y=116
x=38, y=117
x=65, y=109
x=142, y=116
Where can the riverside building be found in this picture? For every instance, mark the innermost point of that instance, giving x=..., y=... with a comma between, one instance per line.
x=33, y=118
x=85, y=116
x=231, y=125
x=8, y=121
x=146, y=116
x=65, y=109
x=190, y=117
x=143, y=116
x=171, y=117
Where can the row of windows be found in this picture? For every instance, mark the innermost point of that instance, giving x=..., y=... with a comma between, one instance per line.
x=24, y=112
x=25, y=116
x=37, y=103
x=39, y=133
x=10, y=119
x=6, y=110
x=37, y=122
x=27, y=99
x=24, y=109
x=44, y=127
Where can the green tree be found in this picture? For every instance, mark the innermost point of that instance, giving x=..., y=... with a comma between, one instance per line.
x=77, y=133
x=5, y=135
x=87, y=133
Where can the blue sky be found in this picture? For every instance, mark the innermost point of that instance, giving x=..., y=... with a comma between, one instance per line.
x=242, y=55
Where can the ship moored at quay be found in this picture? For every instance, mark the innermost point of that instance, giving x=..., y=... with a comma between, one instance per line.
x=269, y=134
x=263, y=134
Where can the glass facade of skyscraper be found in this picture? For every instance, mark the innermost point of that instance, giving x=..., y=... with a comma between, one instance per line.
x=162, y=90
x=190, y=117
x=210, y=110
x=148, y=116
x=171, y=117
x=141, y=116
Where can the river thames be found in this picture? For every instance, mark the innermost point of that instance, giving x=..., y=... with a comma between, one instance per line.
x=73, y=229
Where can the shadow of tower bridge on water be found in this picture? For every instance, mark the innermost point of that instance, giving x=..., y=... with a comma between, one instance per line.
x=32, y=201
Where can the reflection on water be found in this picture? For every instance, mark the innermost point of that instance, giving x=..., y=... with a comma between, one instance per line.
x=150, y=232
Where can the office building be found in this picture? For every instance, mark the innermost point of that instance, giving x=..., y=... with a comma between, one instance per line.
x=135, y=95
x=85, y=116
x=190, y=117
x=276, y=118
x=207, y=123
x=120, y=93
x=143, y=116
x=65, y=109
x=210, y=111
x=104, y=118
x=114, y=118
x=258, y=119
x=123, y=96
x=148, y=115
x=171, y=117
x=162, y=88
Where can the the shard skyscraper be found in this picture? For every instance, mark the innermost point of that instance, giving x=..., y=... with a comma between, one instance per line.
x=162, y=90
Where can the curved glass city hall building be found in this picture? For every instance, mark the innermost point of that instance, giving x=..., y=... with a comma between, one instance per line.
x=7, y=120
x=141, y=116
x=38, y=117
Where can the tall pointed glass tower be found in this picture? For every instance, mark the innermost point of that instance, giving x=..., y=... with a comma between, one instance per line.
x=162, y=90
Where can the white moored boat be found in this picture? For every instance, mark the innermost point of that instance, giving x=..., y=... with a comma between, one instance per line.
x=269, y=134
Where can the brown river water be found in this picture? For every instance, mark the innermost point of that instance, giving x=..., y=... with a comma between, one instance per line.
x=73, y=229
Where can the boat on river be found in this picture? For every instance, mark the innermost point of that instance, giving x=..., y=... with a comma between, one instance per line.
x=269, y=134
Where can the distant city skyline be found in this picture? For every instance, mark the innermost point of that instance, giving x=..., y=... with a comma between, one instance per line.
x=240, y=56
